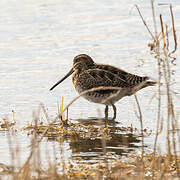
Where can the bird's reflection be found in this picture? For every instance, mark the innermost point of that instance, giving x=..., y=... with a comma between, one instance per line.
x=119, y=141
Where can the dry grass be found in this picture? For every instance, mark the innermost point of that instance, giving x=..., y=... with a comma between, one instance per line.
x=133, y=167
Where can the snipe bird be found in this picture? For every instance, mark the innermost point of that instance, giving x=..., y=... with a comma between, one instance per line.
x=108, y=83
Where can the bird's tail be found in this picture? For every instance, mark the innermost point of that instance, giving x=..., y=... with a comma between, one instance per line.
x=142, y=85
x=149, y=83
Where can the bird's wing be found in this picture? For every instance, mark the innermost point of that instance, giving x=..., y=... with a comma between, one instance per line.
x=92, y=78
x=131, y=79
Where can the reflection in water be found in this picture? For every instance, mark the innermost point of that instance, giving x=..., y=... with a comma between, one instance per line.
x=120, y=141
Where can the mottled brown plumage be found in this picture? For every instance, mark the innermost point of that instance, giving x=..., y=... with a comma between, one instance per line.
x=113, y=83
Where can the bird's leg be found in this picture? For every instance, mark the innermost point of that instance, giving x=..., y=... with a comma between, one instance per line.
x=106, y=112
x=106, y=115
x=114, y=108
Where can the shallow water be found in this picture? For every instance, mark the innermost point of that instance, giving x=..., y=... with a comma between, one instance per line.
x=38, y=42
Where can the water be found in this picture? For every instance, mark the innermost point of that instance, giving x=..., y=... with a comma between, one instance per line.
x=38, y=42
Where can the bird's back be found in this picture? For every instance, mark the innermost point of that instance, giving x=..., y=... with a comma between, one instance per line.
x=130, y=79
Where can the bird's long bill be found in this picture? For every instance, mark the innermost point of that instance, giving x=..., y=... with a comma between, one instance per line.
x=66, y=76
